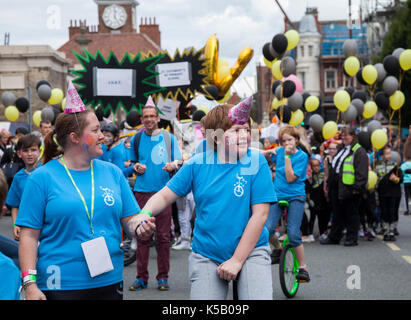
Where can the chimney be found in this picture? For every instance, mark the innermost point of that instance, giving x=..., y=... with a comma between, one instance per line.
x=151, y=29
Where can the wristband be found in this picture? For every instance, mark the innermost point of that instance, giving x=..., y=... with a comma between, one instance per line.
x=147, y=212
x=28, y=272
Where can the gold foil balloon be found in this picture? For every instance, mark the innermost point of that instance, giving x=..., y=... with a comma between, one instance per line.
x=211, y=55
x=243, y=59
x=223, y=69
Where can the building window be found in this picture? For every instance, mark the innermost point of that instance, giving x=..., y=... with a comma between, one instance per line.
x=302, y=78
x=330, y=81
x=302, y=51
x=310, y=51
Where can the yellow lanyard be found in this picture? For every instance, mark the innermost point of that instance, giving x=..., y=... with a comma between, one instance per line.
x=90, y=216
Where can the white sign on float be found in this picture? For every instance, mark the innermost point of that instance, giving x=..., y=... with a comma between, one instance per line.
x=168, y=107
x=174, y=74
x=114, y=82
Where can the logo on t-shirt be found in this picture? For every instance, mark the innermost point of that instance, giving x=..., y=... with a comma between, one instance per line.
x=108, y=196
x=239, y=186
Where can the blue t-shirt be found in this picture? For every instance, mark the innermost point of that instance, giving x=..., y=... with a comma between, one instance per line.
x=10, y=279
x=407, y=176
x=224, y=194
x=202, y=146
x=50, y=203
x=117, y=156
x=299, y=162
x=17, y=187
x=153, y=153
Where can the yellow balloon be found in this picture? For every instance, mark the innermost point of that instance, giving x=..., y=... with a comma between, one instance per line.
x=292, y=37
x=37, y=118
x=63, y=104
x=268, y=63
x=56, y=96
x=330, y=129
x=342, y=100
x=405, y=60
x=379, y=138
x=351, y=65
x=276, y=70
x=276, y=103
x=397, y=100
x=296, y=117
x=12, y=113
x=369, y=74
x=372, y=179
x=203, y=108
x=370, y=109
x=312, y=103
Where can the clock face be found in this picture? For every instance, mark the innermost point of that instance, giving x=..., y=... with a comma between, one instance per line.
x=114, y=16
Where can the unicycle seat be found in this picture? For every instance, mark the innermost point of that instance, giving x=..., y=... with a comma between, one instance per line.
x=283, y=204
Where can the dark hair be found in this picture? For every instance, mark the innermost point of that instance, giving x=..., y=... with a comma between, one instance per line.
x=4, y=188
x=44, y=121
x=28, y=141
x=22, y=130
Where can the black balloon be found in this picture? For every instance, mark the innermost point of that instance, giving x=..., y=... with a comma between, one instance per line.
x=99, y=113
x=22, y=104
x=359, y=77
x=288, y=88
x=41, y=82
x=266, y=52
x=279, y=43
x=360, y=94
x=391, y=65
x=350, y=90
x=276, y=83
x=198, y=115
x=364, y=139
x=133, y=118
x=382, y=100
x=213, y=91
x=284, y=113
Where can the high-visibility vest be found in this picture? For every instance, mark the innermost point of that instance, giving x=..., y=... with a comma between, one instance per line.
x=348, y=175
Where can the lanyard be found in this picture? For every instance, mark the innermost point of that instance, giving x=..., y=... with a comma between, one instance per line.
x=90, y=216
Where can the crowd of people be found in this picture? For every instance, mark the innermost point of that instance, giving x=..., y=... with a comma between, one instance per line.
x=67, y=202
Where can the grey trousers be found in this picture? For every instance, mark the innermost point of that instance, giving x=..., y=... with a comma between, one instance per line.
x=253, y=283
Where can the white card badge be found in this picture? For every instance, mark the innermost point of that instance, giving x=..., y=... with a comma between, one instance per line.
x=97, y=256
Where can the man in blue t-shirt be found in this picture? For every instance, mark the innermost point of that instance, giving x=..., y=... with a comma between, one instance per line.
x=156, y=151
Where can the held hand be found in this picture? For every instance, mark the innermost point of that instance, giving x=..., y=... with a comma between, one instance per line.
x=229, y=269
x=140, y=168
x=145, y=228
x=34, y=293
x=393, y=177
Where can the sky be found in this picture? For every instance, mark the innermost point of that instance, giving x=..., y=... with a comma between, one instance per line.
x=183, y=23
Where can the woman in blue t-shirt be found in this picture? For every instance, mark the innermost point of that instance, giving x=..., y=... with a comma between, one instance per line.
x=71, y=214
x=232, y=189
x=290, y=173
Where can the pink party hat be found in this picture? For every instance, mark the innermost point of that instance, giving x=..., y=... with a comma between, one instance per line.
x=240, y=113
x=150, y=102
x=73, y=100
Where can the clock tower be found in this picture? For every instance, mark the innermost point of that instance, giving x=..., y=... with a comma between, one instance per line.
x=117, y=16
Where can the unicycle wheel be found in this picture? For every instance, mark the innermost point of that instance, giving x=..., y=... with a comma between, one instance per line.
x=288, y=269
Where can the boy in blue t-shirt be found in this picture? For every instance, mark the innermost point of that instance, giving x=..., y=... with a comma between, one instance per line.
x=28, y=149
